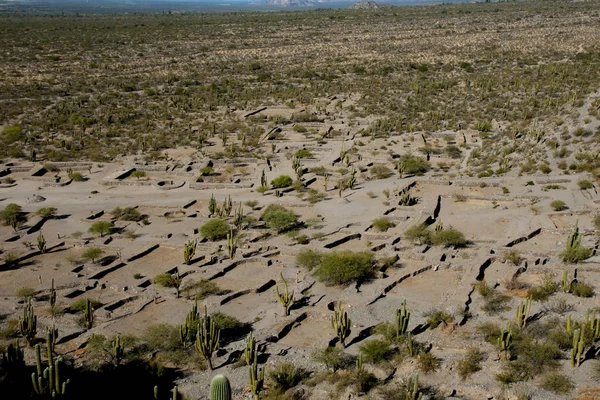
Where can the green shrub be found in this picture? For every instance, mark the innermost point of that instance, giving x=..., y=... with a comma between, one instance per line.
x=303, y=153
x=557, y=383
x=470, y=363
x=127, y=214
x=279, y=218
x=162, y=338
x=11, y=212
x=344, y=267
x=414, y=165
x=597, y=221
x=76, y=176
x=436, y=317
x=558, y=205
x=285, y=376
x=281, y=181
x=427, y=362
x=201, y=289
x=215, y=229
x=419, y=233
x=575, y=254
x=375, y=351
x=333, y=358
x=231, y=327
x=138, y=174
x=300, y=129
x=165, y=280
x=80, y=305
x=46, y=212
x=251, y=203
x=382, y=224
x=26, y=292
x=582, y=289
x=101, y=227
x=309, y=259
x=546, y=289
x=513, y=256
x=448, y=237
x=490, y=331
x=92, y=254
x=380, y=172
x=585, y=184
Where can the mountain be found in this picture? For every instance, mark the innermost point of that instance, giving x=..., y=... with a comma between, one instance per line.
x=366, y=5
x=289, y=3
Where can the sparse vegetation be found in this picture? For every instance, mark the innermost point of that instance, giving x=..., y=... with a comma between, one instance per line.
x=215, y=229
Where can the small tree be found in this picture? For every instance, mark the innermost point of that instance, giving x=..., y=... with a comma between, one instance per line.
x=215, y=229
x=46, y=212
x=92, y=254
x=138, y=174
x=279, y=218
x=281, y=181
x=101, y=227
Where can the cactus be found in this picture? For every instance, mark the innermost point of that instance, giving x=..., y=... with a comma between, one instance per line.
x=352, y=180
x=212, y=206
x=47, y=382
x=51, y=336
x=439, y=226
x=118, y=350
x=578, y=343
x=257, y=378
x=341, y=325
x=227, y=207
x=569, y=325
x=286, y=298
x=523, y=312
x=220, y=389
x=188, y=329
x=505, y=342
x=343, y=151
x=410, y=345
x=250, y=351
x=406, y=199
x=88, y=315
x=325, y=180
x=359, y=364
x=594, y=324
x=574, y=251
x=174, y=397
x=232, y=242
x=176, y=279
x=13, y=359
x=412, y=388
x=402, y=318
x=52, y=299
x=567, y=284
x=189, y=250
x=238, y=217
x=41, y=243
x=207, y=338
x=28, y=323
x=263, y=179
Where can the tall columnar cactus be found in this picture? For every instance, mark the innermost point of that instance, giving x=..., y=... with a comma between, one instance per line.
x=52, y=299
x=88, y=315
x=286, y=298
x=578, y=344
x=232, y=242
x=594, y=323
x=325, y=181
x=412, y=388
x=574, y=251
x=523, y=312
x=51, y=336
x=28, y=323
x=174, y=397
x=505, y=342
x=47, y=382
x=117, y=350
x=566, y=283
x=569, y=325
x=343, y=151
x=207, y=338
x=410, y=345
x=352, y=179
x=227, y=206
x=402, y=318
x=238, y=217
x=263, y=179
x=189, y=250
x=212, y=206
x=359, y=364
x=41, y=243
x=439, y=226
x=177, y=279
x=257, y=378
x=188, y=329
x=220, y=389
x=341, y=325
x=297, y=167
x=250, y=350
x=406, y=199
x=13, y=359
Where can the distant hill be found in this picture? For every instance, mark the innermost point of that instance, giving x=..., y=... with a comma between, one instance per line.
x=288, y=3
x=368, y=5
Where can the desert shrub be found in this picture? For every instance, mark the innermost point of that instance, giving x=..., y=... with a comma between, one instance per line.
x=303, y=153
x=490, y=331
x=380, y=172
x=558, y=205
x=414, y=165
x=448, y=237
x=309, y=259
x=585, y=184
x=281, y=181
x=532, y=358
x=286, y=375
x=201, y=289
x=427, y=362
x=11, y=134
x=494, y=301
x=127, y=214
x=101, y=227
x=76, y=176
x=138, y=174
x=92, y=254
x=320, y=170
x=452, y=151
x=215, y=229
x=375, y=351
x=300, y=129
x=11, y=212
x=557, y=383
x=470, y=363
x=279, y=218
x=26, y=292
x=575, y=254
x=436, y=317
x=363, y=381
x=46, y=212
x=582, y=289
x=382, y=224
x=344, y=267
x=513, y=257
x=165, y=280
x=164, y=339
x=81, y=304
x=251, y=203
x=231, y=327
x=597, y=221
x=546, y=289
x=333, y=358
x=418, y=233
x=10, y=330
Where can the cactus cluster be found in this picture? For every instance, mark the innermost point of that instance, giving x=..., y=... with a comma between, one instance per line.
x=286, y=298
x=257, y=377
x=523, y=312
x=578, y=345
x=117, y=350
x=88, y=315
x=410, y=344
x=402, y=318
x=188, y=329
x=412, y=388
x=28, y=323
x=566, y=284
x=250, y=350
x=220, y=389
x=174, y=397
x=297, y=167
x=406, y=199
x=505, y=342
x=13, y=358
x=223, y=211
x=189, y=251
x=232, y=243
x=341, y=324
x=594, y=323
x=238, y=217
x=47, y=381
x=52, y=299
x=41, y=243
x=352, y=179
x=207, y=338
